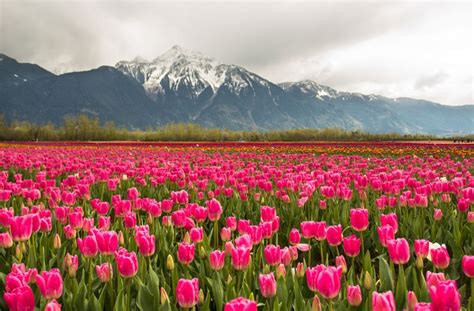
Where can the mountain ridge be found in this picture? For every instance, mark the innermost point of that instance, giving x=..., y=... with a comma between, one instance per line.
x=187, y=86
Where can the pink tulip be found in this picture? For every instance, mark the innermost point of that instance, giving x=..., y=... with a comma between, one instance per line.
x=440, y=257
x=437, y=214
x=399, y=251
x=88, y=246
x=272, y=254
x=186, y=253
x=21, y=227
x=53, y=305
x=268, y=286
x=20, y=299
x=422, y=248
x=132, y=194
x=445, y=296
x=470, y=217
x=294, y=237
x=127, y=263
x=351, y=246
x=354, y=295
x=241, y=304
x=286, y=256
x=130, y=220
x=214, y=209
x=226, y=234
x=146, y=244
x=50, y=283
x=411, y=300
x=423, y=306
x=69, y=232
x=359, y=219
x=391, y=220
x=319, y=229
x=386, y=233
x=187, y=292
x=71, y=264
x=383, y=301
x=334, y=235
x=341, y=262
x=196, y=234
x=240, y=258
x=308, y=229
x=468, y=266
x=217, y=260
x=433, y=279
x=324, y=279
x=104, y=272
x=107, y=241
x=6, y=240
x=267, y=213
x=231, y=223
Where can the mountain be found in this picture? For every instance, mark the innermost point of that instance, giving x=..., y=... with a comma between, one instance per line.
x=187, y=86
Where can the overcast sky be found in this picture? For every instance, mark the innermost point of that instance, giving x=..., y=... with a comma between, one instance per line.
x=421, y=49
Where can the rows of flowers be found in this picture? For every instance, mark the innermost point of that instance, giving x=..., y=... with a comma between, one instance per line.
x=140, y=228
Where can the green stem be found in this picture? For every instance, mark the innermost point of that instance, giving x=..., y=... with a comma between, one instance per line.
x=216, y=228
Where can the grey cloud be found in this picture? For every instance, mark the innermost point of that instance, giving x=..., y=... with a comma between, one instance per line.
x=432, y=80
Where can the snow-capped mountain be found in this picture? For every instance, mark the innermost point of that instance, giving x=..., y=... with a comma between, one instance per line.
x=187, y=86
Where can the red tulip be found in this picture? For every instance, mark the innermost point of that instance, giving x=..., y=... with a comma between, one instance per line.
x=468, y=266
x=146, y=244
x=127, y=263
x=53, y=305
x=107, y=241
x=241, y=304
x=268, y=286
x=351, y=246
x=399, y=251
x=186, y=253
x=217, y=260
x=354, y=295
x=422, y=248
x=88, y=246
x=334, y=235
x=386, y=233
x=21, y=227
x=50, y=283
x=20, y=299
x=359, y=219
x=240, y=258
x=383, y=301
x=324, y=279
x=391, y=220
x=440, y=257
x=445, y=296
x=272, y=254
x=187, y=292
x=104, y=272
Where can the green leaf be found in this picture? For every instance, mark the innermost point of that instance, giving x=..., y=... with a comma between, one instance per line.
x=217, y=292
x=282, y=291
x=386, y=278
x=401, y=293
x=145, y=299
x=93, y=304
x=120, y=302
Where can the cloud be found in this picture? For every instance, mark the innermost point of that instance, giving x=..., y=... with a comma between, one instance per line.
x=387, y=47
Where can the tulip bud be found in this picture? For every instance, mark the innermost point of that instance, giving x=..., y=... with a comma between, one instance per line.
x=187, y=238
x=419, y=262
x=316, y=306
x=57, y=241
x=341, y=262
x=121, y=239
x=470, y=217
x=170, y=262
x=149, y=219
x=280, y=271
x=164, y=296
x=202, y=252
x=229, y=279
x=201, y=297
x=18, y=251
x=367, y=281
x=252, y=297
x=300, y=270
x=411, y=300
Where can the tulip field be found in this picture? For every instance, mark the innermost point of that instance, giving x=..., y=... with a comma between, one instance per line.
x=236, y=226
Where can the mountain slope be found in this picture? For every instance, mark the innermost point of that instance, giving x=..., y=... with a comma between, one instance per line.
x=187, y=86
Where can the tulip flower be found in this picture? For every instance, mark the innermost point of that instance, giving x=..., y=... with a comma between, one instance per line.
x=351, y=245
x=341, y=262
x=470, y=217
x=423, y=306
x=294, y=237
x=268, y=286
x=186, y=253
x=214, y=210
x=383, y=301
x=267, y=213
x=226, y=234
x=399, y=251
x=468, y=266
x=71, y=264
x=146, y=244
x=411, y=300
x=334, y=235
x=50, y=284
x=445, y=296
x=440, y=257
x=53, y=305
x=187, y=292
x=196, y=234
x=324, y=279
x=354, y=295
x=422, y=248
x=359, y=219
x=386, y=233
x=217, y=260
x=240, y=258
x=88, y=246
x=390, y=220
x=241, y=304
x=272, y=254
x=21, y=227
x=107, y=242
x=231, y=223
x=20, y=299
x=104, y=272
x=127, y=263
x=437, y=214
x=433, y=279
x=6, y=240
